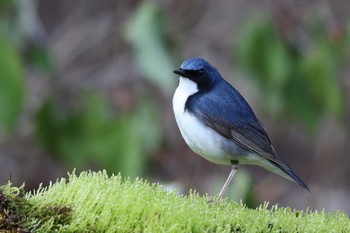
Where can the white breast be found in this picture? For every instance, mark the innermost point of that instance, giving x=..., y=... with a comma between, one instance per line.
x=200, y=138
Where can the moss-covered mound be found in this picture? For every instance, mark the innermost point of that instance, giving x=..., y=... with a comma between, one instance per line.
x=95, y=202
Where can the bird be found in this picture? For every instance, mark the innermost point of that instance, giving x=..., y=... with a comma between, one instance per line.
x=218, y=124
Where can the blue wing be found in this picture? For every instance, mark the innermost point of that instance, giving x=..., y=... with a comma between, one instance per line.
x=233, y=118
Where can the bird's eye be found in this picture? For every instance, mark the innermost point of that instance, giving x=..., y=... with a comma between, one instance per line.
x=201, y=73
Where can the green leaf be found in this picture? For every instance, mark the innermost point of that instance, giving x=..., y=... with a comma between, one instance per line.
x=11, y=85
x=146, y=35
x=301, y=83
x=93, y=135
x=253, y=45
x=5, y=5
x=264, y=55
x=320, y=68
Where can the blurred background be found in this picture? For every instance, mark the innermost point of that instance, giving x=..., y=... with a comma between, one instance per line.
x=89, y=84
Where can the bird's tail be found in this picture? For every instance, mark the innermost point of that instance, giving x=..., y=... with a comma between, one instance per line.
x=290, y=174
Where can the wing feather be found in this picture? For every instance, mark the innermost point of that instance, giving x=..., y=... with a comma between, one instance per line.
x=252, y=138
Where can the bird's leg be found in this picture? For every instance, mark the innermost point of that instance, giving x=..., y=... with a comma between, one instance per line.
x=229, y=178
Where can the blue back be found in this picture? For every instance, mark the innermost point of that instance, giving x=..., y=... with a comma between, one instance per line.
x=224, y=105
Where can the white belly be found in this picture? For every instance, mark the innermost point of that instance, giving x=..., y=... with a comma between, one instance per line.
x=200, y=138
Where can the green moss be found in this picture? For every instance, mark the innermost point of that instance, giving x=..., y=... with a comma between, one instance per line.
x=95, y=202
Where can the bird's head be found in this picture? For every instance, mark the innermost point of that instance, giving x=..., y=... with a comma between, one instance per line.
x=199, y=71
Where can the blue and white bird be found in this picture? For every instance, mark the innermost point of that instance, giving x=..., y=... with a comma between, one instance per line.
x=218, y=124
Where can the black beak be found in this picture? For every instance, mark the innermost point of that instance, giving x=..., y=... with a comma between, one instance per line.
x=181, y=72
